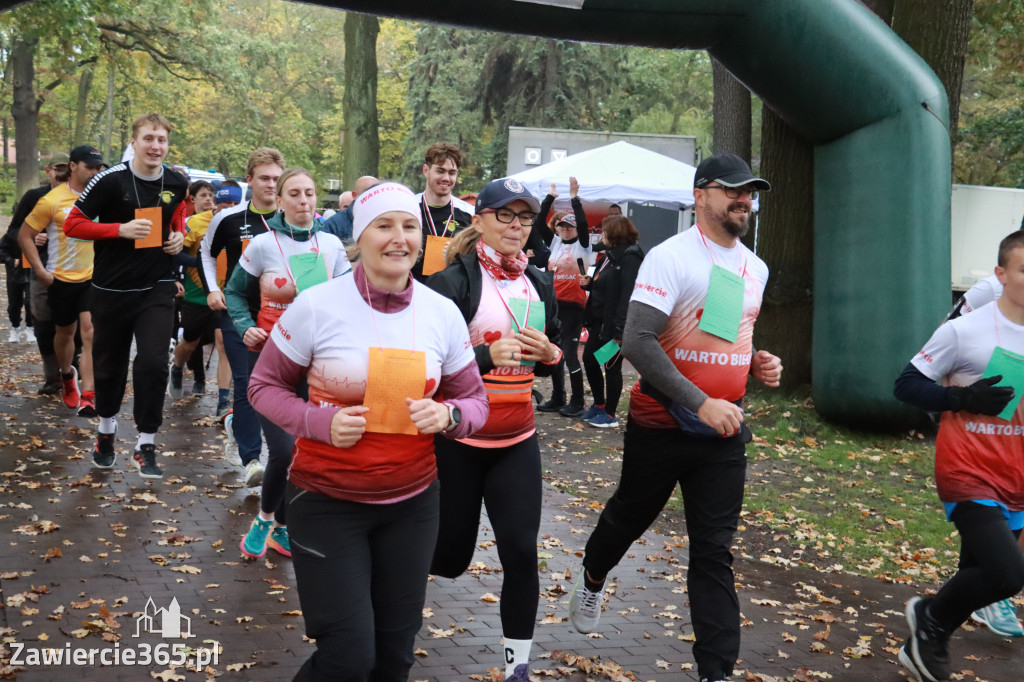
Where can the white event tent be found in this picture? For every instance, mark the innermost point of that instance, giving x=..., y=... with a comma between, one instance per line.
x=617, y=172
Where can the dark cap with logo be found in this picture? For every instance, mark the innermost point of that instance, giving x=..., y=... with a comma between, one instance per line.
x=502, y=192
x=87, y=154
x=729, y=170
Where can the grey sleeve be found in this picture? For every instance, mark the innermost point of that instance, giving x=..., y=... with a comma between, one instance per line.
x=640, y=346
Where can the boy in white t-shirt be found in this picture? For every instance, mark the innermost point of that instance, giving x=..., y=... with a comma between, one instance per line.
x=979, y=461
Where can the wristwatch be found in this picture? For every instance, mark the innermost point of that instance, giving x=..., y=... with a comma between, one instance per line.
x=454, y=417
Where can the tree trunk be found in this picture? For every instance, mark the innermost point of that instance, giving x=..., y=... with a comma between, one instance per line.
x=883, y=8
x=24, y=111
x=82, y=107
x=362, y=142
x=109, y=156
x=730, y=114
x=731, y=120
x=551, y=63
x=786, y=244
x=938, y=30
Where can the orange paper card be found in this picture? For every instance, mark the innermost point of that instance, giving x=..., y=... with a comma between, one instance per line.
x=155, y=237
x=394, y=375
x=433, y=255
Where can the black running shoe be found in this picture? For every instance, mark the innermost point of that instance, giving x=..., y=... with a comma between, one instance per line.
x=551, y=405
x=572, y=410
x=145, y=461
x=103, y=453
x=926, y=653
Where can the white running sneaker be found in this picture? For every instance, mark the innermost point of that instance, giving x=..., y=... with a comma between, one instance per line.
x=254, y=473
x=230, y=444
x=584, y=605
x=28, y=335
x=14, y=336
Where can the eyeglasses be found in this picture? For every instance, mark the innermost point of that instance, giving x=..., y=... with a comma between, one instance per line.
x=507, y=215
x=734, y=192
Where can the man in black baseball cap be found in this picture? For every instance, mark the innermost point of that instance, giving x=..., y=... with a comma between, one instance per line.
x=88, y=155
x=728, y=170
x=735, y=190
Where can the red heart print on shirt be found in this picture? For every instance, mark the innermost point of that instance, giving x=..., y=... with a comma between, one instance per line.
x=491, y=337
x=280, y=282
x=429, y=387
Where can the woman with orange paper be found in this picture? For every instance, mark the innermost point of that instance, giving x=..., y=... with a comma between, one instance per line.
x=513, y=325
x=378, y=350
x=291, y=256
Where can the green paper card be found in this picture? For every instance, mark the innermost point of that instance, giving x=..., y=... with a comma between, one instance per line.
x=606, y=352
x=308, y=270
x=1011, y=367
x=537, y=318
x=723, y=308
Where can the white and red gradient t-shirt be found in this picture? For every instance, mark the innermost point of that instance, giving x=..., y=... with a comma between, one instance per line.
x=562, y=263
x=977, y=457
x=509, y=389
x=330, y=329
x=674, y=279
x=984, y=291
x=267, y=260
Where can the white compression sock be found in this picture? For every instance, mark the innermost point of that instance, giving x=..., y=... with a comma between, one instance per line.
x=108, y=424
x=517, y=652
x=146, y=439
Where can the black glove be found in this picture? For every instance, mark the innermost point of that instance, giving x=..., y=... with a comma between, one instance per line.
x=981, y=397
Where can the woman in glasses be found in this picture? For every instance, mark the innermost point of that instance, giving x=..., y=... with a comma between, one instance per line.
x=570, y=247
x=513, y=325
x=377, y=349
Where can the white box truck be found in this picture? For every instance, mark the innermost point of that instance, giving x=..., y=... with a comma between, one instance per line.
x=981, y=216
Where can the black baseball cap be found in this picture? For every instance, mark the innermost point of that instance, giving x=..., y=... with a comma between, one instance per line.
x=87, y=154
x=502, y=192
x=729, y=170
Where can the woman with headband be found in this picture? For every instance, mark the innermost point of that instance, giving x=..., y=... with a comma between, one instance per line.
x=291, y=256
x=513, y=325
x=378, y=351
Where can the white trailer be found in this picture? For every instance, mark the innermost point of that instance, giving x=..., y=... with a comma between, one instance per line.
x=982, y=216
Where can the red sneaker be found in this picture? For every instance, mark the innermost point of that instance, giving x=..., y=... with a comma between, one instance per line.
x=69, y=389
x=87, y=406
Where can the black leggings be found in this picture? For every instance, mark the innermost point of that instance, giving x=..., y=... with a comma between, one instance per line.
x=571, y=317
x=507, y=480
x=991, y=565
x=280, y=447
x=361, y=572
x=17, y=296
x=612, y=374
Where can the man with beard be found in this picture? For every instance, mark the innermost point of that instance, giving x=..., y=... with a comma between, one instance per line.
x=689, y=334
